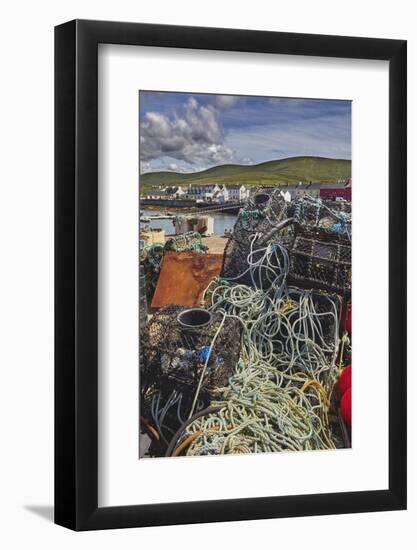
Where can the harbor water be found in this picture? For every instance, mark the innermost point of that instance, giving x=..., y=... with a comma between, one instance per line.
x=222, y=221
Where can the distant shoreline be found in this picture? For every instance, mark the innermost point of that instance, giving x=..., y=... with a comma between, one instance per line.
x=279, y=173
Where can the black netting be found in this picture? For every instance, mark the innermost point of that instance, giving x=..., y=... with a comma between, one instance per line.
x=327, y=306
x=174, y=356
x=281, y=249
x=320, y=264
x=257, y=225
x=143, y=305
x=325, y=220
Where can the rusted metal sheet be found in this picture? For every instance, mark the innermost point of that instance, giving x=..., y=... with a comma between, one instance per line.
x=184, y=276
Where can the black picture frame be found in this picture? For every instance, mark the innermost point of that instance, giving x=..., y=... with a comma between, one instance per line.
x=76, y=271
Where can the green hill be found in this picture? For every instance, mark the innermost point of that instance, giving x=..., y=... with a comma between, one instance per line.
x=289, y=170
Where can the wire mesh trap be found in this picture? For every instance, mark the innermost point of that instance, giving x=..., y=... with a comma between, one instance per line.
x=178, y=343
x=321, y=311
x=320, y=264
x=325, y=220
x=255, y=371
x=288, y=328
x=185, y=242
x=260, y=223
x=278, y=399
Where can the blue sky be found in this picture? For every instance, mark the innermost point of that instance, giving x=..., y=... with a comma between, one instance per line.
x=190, y=132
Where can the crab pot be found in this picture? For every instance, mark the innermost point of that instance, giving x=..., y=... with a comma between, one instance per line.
x=176, y=344
x=193, y=322
x=261, y=199
x=194, y=319
x=313, y=317
x=327, y=305
x=252, y=220
x=321, y=264
x=323, y=220
x=185, y=242
x=143, y=305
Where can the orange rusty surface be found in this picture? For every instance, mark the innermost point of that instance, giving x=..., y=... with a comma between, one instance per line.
x=184, y=276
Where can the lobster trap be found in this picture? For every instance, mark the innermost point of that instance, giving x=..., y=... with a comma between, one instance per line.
x=179, y=344
x=320, y=264
x=260, y=223
x=190, y=241
x=324, y=310
x=325, y=220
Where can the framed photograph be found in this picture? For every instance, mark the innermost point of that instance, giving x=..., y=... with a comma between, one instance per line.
x=230, y=244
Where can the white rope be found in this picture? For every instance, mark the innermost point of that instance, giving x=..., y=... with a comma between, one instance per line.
x=278, y=397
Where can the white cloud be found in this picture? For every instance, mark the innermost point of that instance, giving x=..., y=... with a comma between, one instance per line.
x=225, y=101
x=194, y=135
x=173, y=167
x=144, y=167
x=246, y=160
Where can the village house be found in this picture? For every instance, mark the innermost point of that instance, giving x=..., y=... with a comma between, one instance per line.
x=180, y=192
x=237, y=193
x=206, y=193
x=160, y=193
x=221, y=195
x=340, y=190
x=203, y=192
x=216, y=193
x=167, y=192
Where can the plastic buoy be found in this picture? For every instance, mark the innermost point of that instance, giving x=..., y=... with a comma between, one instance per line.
x=345, y=380
x=346, y=406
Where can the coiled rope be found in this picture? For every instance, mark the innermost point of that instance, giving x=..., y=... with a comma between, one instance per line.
x=279, y=396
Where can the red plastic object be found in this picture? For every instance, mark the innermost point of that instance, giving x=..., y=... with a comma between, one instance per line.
x=346, y=321
x=346, y=406
x=345, y=380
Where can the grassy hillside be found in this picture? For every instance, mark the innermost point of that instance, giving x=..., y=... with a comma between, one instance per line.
x=267, y=173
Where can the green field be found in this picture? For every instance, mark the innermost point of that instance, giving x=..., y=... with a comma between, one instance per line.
x=290, y=170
